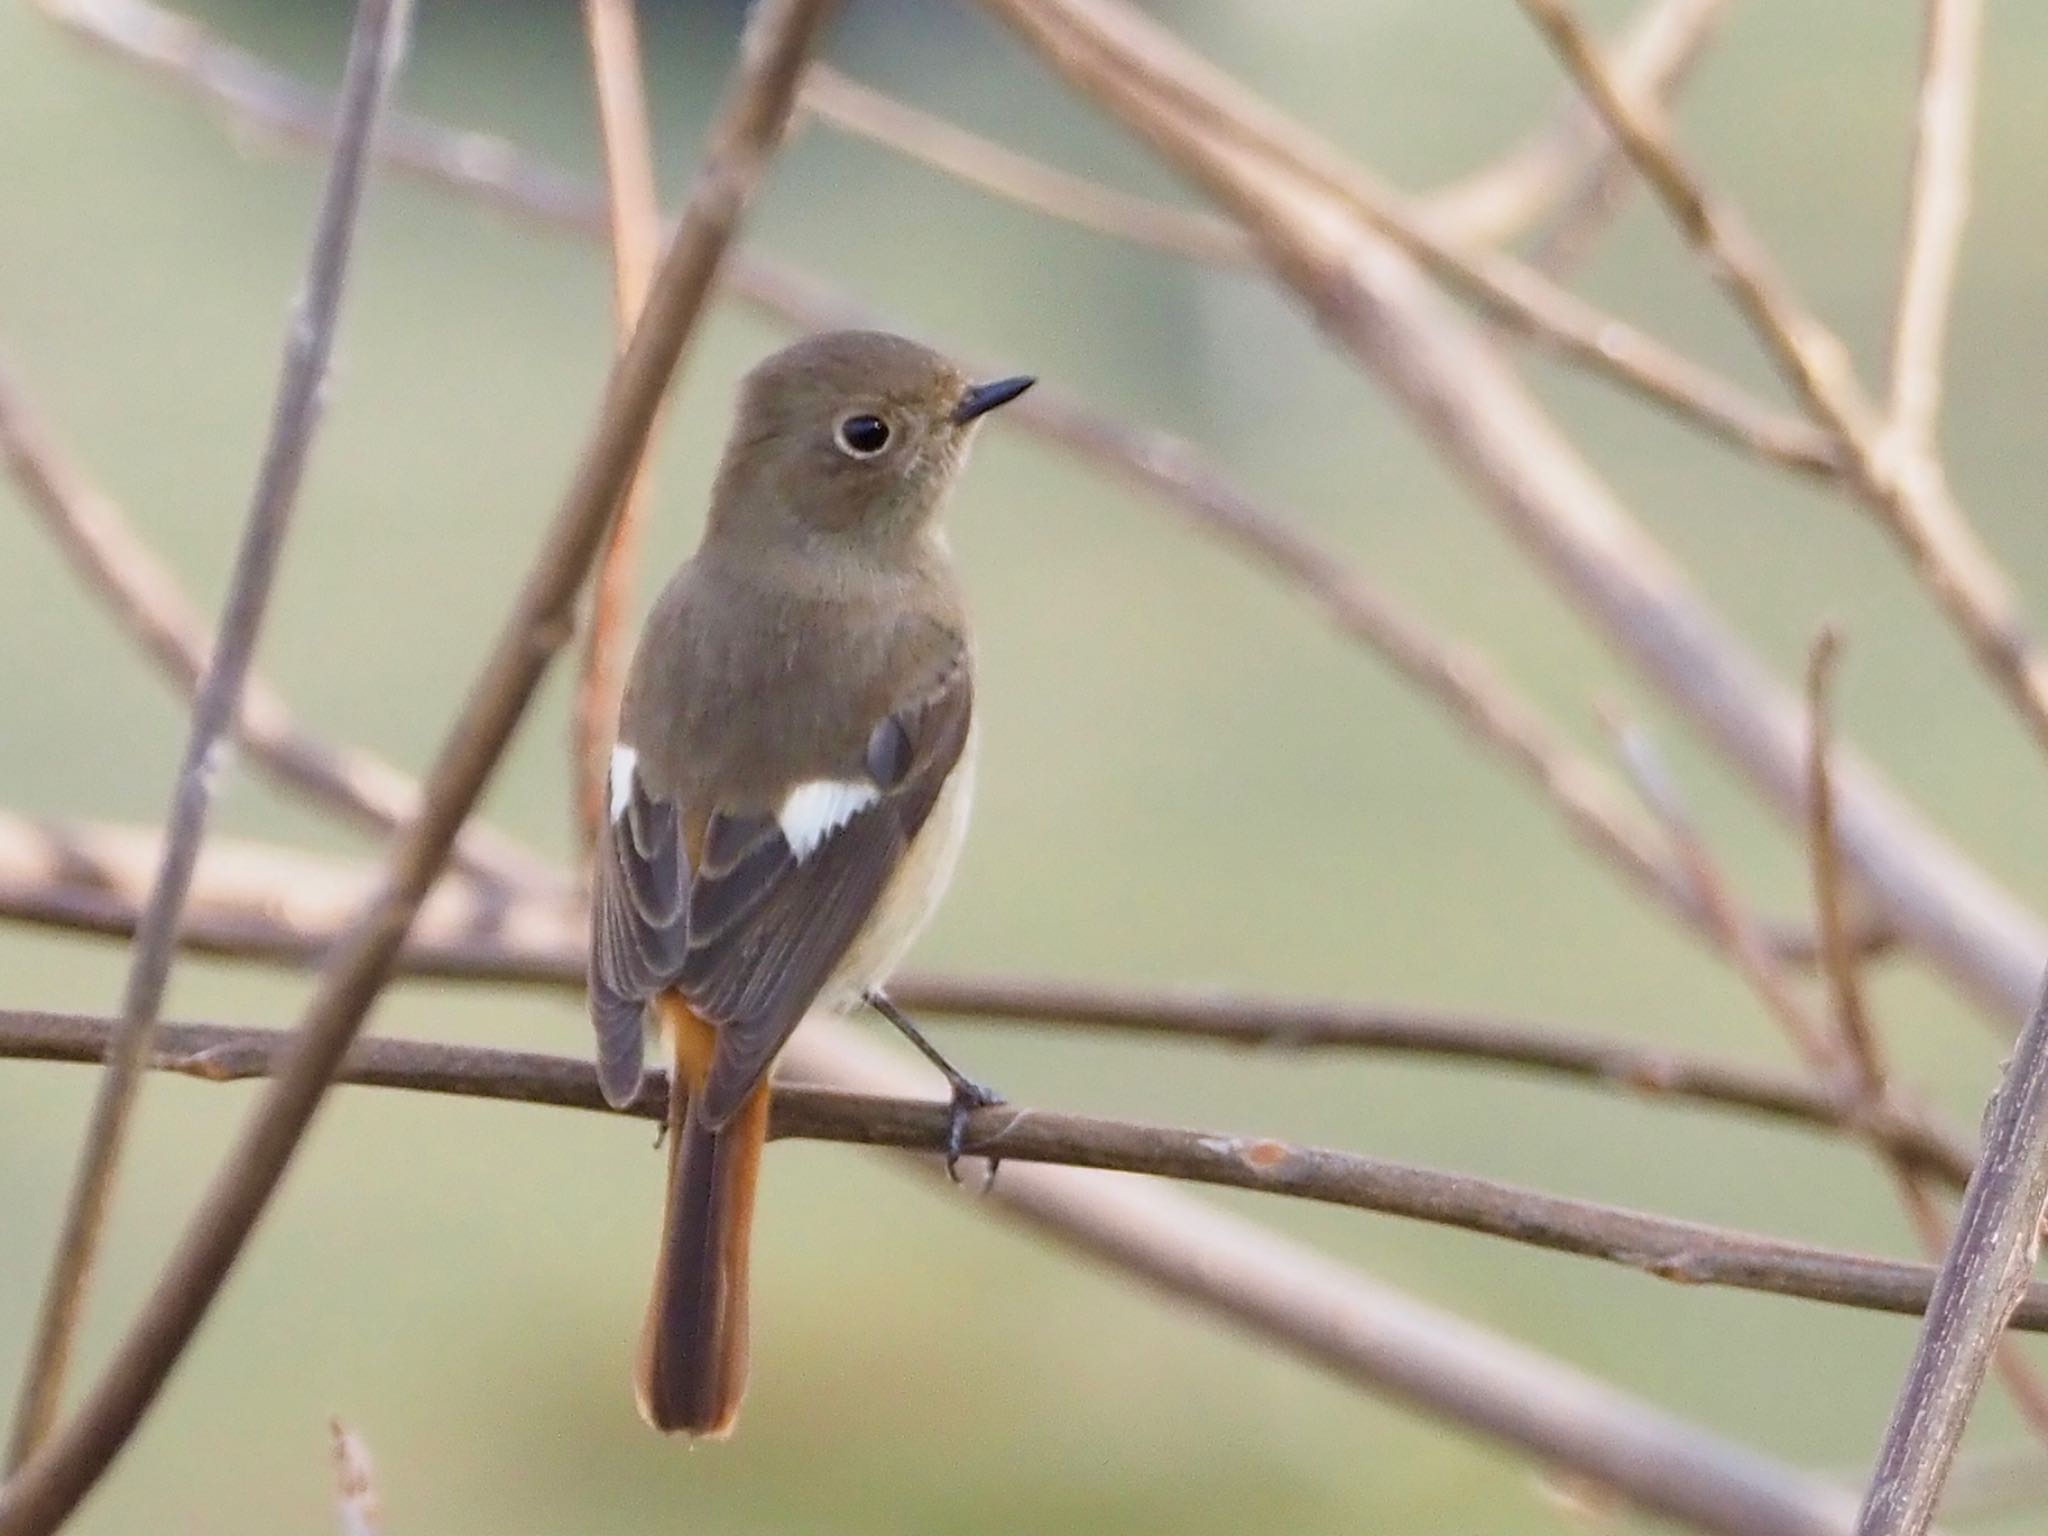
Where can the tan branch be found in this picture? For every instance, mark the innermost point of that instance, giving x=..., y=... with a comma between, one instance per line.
x=1500, y=201
x=635, y=223
x=60, y=1472
x=1177, y=477
x=1856, y=1026
x=376, y=45
x=852, y=108
x=1986, y=1273
x=256, y=902
x=1938, y=202
x=1373, y=301
x=1907, y=492
x=1667, y=1248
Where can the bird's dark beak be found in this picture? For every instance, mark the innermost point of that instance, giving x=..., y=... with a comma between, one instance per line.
x=983, y=398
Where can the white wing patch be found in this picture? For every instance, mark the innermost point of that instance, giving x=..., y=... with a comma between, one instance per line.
x=624, y=761
x=813, y=812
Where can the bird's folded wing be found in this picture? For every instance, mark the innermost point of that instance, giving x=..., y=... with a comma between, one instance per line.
x=747, y=916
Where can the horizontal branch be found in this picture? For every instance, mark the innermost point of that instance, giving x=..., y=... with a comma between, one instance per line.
x=863, y=112
x=1691, y=1253
x=257, y=902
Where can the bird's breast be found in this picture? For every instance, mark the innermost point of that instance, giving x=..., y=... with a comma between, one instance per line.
x=912, y=895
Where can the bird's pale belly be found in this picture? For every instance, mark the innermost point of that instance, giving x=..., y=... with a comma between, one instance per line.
x=912, y=894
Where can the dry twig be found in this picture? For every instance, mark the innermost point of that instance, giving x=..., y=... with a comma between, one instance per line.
x=1937, y=203
x=1667, y=1248
x=1989, y=1265
x=1371, y=300
x=1499, y=201
x=1740, y=935
x=375, y=48
x=635, y=222
x=1179, y=478
x=1906, y=491
x=50, y=1483
x=1373, y=1336
x=1858, y=1031
x=261, y=903
x=860, y=110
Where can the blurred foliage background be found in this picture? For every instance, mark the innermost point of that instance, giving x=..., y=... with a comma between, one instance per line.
x=1186, y=778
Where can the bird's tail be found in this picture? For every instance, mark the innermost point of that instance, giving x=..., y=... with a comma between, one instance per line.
x=692, y=1368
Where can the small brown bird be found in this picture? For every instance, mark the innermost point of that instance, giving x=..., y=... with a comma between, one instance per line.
x=787, y=797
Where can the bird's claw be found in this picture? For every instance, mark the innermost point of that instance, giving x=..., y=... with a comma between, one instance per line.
x=968, y=1096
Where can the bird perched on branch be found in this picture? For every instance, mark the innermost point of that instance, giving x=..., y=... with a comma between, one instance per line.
x=787, y=797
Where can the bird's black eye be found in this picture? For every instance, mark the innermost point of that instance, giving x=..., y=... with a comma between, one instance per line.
x=863, y=436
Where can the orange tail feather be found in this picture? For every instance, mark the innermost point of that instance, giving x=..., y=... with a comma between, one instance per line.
x=692, y=1369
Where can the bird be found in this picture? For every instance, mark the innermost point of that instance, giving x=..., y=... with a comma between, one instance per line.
x=786, y=798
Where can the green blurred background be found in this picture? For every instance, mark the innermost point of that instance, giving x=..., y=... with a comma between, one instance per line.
x=1186, y=778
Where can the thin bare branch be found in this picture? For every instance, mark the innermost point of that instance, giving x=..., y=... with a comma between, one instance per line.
x=1180, y=479
x=1690, y=1253
x=853, y=108
x=1376, y=1337
x=1516, y=295
x=1938, y=202
x=1811, y=357
x=1501, y=200
x=261, y=903
x=145, y=600
x=1858, y=1030
x=375, y=48
x=613, y=31
x=51, y=1482
x=1860, y=1048
x=1375, y=303
x=1116, y=52
x=1344, y=1322
x=1987, y=1271
x=1908, y=493
x=1838, y=956
x=1740, y=935
x=1598, y=202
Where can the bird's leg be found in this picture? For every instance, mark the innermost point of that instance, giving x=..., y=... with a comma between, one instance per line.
x=968, y=1095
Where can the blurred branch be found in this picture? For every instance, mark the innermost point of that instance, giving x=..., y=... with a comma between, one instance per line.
x=859, y=110
x=750, y=121
x=1938, y=202
x=1371, y=300
x=252, y=901
x=1838, y=955
x=376, y=45
x=1459, y=678
x=1907, y=492
x=1374, y=1336
x=145, y=600
x=1738, y=933
x=1499, y=201
x=1690, y=1253
x=1987, y=1271
x=1859, y=1051
x=619, y=81
x=357, y=1507
x=1516, y=295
